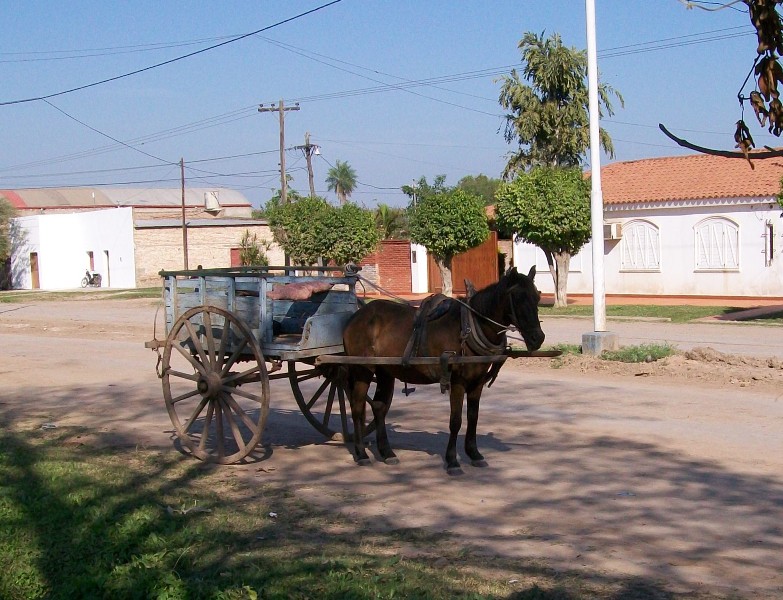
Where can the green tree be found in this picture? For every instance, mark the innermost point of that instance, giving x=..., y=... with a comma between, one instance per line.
x=352, y=234
x=392, y=223
x=309, y=229
x=549, y=119
x=480, y=185
x=549, y=207
x=7, y=213
x=446, y=221
x=341, y=179
x=298, y=227
x=252, y=250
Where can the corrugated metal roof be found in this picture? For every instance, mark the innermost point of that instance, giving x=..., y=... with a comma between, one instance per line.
x=102, y=197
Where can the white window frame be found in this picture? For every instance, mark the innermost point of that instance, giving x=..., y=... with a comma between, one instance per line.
x=640, y=247
x=716, y=245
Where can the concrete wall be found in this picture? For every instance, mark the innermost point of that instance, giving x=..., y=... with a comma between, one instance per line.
x=678, y=272
x=62, y=243
x=160, y=248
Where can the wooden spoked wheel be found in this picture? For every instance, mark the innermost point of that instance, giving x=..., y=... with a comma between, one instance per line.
x=322, y=396
x=215, y=384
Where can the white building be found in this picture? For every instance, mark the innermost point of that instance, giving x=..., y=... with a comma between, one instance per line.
x=54, y=251
x=695, y=225
x=127, y=235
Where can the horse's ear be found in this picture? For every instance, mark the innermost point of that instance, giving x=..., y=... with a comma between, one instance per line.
x=510, y=272
x=532, y=272
x=470, y=289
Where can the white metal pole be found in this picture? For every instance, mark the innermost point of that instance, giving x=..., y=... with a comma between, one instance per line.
x=596, y=195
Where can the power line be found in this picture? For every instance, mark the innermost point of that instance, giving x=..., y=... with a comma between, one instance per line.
x=170, y=61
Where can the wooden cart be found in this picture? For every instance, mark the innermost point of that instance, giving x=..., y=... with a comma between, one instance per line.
x=229, y=332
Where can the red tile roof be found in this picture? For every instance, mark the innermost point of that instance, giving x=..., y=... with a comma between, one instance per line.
x=692, y=177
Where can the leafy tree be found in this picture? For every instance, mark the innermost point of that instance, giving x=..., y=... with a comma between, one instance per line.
x=481, y=186
x=299, y=228
x=446, y=221
x=352, y=234
x=392, y=223
x=341, y=179
x=7, y=213
x=549, y=118
x=252, y=250
x=309, y=229
x=549, y=207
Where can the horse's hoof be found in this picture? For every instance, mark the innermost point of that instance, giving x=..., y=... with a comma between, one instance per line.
x=479, y=463
x=454, y=471
x=392, y=460
x=363, y=462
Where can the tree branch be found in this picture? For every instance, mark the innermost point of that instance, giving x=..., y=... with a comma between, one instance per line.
x=725, y=153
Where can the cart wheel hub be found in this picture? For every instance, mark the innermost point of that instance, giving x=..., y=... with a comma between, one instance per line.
x=210, y=385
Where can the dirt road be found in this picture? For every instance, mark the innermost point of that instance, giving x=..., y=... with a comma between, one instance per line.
x=637, y=473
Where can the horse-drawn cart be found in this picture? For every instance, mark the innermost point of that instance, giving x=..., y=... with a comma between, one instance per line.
x=229, y=332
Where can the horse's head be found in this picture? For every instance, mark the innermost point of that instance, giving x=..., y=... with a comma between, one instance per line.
x=521, y=310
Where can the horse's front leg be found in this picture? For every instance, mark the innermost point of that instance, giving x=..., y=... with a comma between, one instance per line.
x=359, y=383
x=471, y=447
x=455, y=423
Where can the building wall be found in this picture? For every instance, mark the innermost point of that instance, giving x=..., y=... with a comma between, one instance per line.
x=390, y=266
x=62, y=243
x=191, y=212
x=678, y=274
x=160, y=248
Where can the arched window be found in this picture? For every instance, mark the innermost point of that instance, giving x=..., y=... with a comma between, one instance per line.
x=716, y=243
x=640, y=248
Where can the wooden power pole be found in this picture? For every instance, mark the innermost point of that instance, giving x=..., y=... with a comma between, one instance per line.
x=184, y=225
x=309, y=149
x=281, y=108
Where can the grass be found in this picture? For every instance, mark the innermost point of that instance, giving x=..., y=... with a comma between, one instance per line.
x=640, y=353
x=76, y=521
x=628, y=354
x=87, y=294
x=87, y=523
x=677, y=314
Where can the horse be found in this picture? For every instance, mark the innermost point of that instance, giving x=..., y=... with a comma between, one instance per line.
x=475, y=327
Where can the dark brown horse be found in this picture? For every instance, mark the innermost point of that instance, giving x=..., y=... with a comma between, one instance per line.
x=384, y=329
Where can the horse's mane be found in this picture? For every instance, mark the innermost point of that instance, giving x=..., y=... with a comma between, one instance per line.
x=487, y=298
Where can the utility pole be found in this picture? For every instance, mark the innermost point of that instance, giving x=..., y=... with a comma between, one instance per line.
x=309, y=149
x=184, y=225
x=281, y=108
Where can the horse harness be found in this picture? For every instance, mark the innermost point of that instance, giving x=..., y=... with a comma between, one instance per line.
x=471, y=337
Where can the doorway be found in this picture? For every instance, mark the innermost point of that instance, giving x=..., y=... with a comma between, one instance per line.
x=108, y=271
x=36, y=281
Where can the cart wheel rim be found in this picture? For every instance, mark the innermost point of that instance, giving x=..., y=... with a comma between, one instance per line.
x=218, y=405
x=324, y=401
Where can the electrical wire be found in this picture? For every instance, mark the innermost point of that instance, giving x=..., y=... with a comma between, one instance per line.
x=170, y=61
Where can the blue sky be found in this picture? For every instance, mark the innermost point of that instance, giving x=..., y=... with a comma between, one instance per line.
x=398, y=89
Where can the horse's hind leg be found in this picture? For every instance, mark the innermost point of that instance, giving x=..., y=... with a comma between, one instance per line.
x=359, y=382
x=471, y=447
x=380, y=404
x=455, y=423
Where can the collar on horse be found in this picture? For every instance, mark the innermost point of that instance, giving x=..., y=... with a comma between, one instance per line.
x=473, y=337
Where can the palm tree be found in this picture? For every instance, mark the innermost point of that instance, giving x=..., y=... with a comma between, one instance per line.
x=341, y=179
x=391, y=222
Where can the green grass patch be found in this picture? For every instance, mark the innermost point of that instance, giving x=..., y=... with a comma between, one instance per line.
x=80, y=522
x=640, y=353
x=88, y=294
x=677, y=314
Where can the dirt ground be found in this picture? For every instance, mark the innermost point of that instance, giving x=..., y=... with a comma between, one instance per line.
x=668, y=472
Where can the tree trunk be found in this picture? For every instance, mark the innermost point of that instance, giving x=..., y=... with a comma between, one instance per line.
x=558, y=266
x=444, y=266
